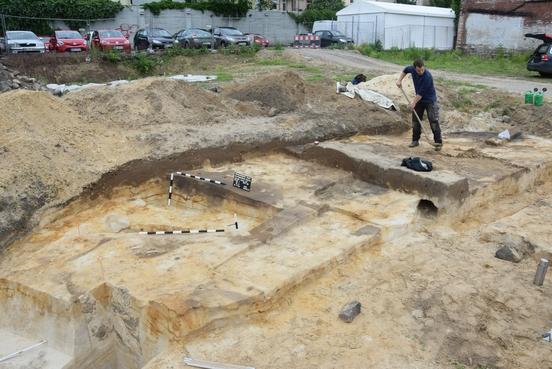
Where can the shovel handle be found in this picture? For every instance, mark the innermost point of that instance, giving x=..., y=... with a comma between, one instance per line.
x=417, y=116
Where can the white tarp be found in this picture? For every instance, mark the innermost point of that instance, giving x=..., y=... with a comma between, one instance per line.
x=367, y=95
x=63, y=89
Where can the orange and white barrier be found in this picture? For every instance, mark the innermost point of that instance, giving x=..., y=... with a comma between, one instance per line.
x=306, y=41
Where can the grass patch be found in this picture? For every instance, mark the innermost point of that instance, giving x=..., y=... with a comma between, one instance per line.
x=306, y=68
x=224, y=76
x=314, y=78
x=501, y=63
x=276, y=61
x=278, y=46
x=462, y=100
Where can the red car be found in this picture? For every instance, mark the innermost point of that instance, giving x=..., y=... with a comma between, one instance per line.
x=110, y=40
x=63, y=41
x=258, y=39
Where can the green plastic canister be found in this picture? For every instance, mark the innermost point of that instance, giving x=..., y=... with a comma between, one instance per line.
x=538, y=98
x=529, y=97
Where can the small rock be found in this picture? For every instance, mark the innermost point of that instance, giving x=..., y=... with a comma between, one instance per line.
x=506, y=119
x=272, y=112
x=117, y=222
x=350, y=311
x=16, y=81
x=4, y=86
x=418, y=314
x=508, y=253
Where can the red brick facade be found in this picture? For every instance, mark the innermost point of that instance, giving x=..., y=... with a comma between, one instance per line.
x=536, y=14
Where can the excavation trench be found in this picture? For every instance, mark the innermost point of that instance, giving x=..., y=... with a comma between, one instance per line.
x=105, y=295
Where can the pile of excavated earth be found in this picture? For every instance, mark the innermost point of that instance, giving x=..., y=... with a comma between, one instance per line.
x=12, y=80
x=98, y=269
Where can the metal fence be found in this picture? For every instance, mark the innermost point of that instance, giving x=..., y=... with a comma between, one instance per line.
x=277, y=26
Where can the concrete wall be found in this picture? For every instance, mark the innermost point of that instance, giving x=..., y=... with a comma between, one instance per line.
x=487, y=24
x=276, y=26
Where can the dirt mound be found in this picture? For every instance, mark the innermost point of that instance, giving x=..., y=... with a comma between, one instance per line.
x=284, y=92
x=386, y=85
x=151, y=101
x=536, y=120
x=50, y=154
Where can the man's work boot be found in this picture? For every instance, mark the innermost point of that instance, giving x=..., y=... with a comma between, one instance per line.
x=438, y=146
x=414, y=144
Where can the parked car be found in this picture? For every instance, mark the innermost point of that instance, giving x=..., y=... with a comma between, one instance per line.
x=256, y=39
x=110, y=40
x=46, y=41
x=63, y=41
x=24, y=42
x=225, y=36
x=328, y=38
x=541, y=59
x=154, y=38
x=194, y=38
x=88, y=38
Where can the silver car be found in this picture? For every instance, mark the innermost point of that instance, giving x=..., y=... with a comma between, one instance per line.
x=24, y=42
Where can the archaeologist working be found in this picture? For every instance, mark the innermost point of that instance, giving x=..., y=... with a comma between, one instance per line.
x=425, y=100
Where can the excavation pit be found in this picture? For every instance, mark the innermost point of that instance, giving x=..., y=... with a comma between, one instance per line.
x=118, y=299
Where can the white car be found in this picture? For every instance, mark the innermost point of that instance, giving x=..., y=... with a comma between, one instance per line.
x=23, y=42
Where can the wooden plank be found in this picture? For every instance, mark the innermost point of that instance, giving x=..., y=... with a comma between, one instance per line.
x=212, y=365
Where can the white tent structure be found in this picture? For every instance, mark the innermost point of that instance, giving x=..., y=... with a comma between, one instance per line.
x=397, y=25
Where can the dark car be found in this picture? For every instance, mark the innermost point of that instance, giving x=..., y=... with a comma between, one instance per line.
x=154, y=38
x=225, y=36
x=256, y=39
x=541, y=60
x=328, y=38
x=194, y=38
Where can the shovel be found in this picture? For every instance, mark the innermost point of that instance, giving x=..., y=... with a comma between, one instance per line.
x=420, y=121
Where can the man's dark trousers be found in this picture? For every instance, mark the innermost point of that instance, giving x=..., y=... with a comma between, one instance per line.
x=432, y=109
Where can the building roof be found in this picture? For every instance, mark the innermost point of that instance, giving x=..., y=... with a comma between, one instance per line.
x=369, y=7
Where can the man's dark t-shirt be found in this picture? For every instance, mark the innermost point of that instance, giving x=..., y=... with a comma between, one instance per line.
x=422, y=84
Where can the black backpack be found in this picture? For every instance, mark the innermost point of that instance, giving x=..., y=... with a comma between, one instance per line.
x=417, y=164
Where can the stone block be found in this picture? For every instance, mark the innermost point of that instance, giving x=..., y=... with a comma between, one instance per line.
x=350, y=311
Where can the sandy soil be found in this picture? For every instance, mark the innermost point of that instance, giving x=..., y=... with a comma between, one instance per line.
x=437, y=298
x=57, y=146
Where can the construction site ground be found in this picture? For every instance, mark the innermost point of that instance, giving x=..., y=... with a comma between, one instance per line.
x=331, y=217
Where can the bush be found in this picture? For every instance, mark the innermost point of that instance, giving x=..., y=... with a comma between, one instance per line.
x=144, y=64
x=240, y=50
x=111, y=56
x=227, y=8
x=278, y=46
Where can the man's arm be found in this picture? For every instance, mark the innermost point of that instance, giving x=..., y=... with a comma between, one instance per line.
x=401, y=77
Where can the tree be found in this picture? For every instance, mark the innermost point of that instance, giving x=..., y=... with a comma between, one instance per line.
x=75, y=9
x=265, y=5
x=319, y=10
x=334, y=5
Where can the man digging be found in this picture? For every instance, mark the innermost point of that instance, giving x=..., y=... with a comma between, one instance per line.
x=425, y=100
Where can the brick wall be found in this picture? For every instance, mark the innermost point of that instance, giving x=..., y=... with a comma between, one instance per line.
x=487, y=24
